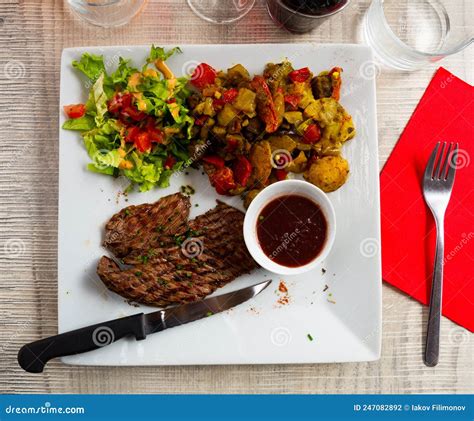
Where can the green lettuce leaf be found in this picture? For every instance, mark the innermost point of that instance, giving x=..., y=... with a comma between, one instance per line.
x=123, y=72
x=106, y=170
x=159, y=53
x=96, y=104
x=83, y=124
x=91, y=65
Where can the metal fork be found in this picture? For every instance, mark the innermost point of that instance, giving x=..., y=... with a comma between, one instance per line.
x=437, y=186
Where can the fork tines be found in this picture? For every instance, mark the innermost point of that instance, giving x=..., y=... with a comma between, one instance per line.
x=442, y=166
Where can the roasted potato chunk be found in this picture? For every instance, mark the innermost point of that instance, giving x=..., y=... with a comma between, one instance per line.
x=298, y=165
x=237, y=74
x=325, y=111
x=226, y=115
x=293, y=117
x=246, y=102
x=347, y=131
x=328, y=173
x=261, y=159
x=282, y=142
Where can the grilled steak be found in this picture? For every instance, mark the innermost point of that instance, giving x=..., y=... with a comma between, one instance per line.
x=137, y=227
x=202, y=256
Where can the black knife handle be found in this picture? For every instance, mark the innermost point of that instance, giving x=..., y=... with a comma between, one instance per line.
x=32, y=357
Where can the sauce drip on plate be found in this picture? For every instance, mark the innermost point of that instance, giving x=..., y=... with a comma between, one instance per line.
x=292, y=230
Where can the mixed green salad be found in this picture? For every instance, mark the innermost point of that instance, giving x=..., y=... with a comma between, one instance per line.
x=135, y=122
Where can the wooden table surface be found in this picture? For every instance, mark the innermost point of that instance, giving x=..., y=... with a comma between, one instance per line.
x=32, y=35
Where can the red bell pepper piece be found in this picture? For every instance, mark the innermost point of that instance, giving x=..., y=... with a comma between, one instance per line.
x=265, y=104
x=215, y=160
x=229, y=95
x=199, y=121
x=312, y=134
x=203, y=75
x=292, y=99
x=242, y=170
x=232, y=144
x=281, y=174
x=300, y=75
x=75, y=110
x=217, y=103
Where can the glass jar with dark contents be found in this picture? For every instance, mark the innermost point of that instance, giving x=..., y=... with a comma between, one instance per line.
x=303, y=15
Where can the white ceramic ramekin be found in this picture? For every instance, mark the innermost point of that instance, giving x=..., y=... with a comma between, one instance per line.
x=283, y=188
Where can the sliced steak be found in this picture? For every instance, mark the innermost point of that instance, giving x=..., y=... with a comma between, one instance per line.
x=138, y=227
x=207, y=254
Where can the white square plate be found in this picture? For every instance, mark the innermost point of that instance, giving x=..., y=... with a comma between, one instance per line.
x=344, y=320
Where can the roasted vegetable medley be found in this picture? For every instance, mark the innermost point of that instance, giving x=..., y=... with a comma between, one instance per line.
x=253, y=131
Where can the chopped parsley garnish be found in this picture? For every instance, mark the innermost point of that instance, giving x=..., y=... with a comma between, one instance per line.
x=138, y=273
x=144, y=259
x=209, y=313
x=127, y=212
x=309, y=337
x=159, y=228
x=188, y=190
x=179, y=267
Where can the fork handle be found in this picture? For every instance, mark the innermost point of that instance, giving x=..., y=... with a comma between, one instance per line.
x=434, y=318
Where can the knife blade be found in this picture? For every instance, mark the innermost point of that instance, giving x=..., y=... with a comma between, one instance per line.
x=33, y=357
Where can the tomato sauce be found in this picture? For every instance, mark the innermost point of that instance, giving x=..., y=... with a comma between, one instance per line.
x=292, y=230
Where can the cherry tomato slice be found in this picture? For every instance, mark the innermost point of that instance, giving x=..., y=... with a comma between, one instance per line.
x=143, y=142
x=170, y=161
x=131, y=134
x=75, y=110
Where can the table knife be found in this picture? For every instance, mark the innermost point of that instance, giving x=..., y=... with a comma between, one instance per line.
x=33, y=357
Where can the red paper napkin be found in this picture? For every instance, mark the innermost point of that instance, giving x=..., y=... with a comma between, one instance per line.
x=445, y=113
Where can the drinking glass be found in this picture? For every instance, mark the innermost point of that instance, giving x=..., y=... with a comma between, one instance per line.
x=221, y=11
x=303, y=15
x=408, y=34
x=106, y=13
